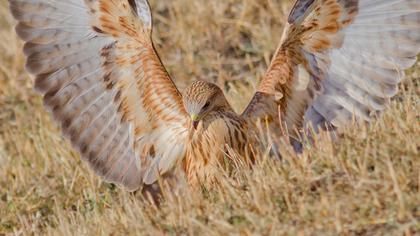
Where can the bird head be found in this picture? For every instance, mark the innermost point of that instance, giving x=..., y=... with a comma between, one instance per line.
x=201, y=99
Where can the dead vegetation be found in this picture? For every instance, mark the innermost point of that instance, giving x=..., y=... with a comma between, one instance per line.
x=368, y=183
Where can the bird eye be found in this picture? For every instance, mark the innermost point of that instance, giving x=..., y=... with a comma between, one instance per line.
x=206, y=105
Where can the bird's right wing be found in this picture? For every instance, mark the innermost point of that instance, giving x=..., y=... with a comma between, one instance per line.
x=94, y=60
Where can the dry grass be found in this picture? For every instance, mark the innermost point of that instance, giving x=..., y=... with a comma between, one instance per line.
x=368, y=183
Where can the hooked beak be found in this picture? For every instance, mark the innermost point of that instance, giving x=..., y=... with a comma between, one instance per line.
x=195, y=120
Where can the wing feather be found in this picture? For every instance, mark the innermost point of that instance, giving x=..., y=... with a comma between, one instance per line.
x=354, y=53
x=96, y=65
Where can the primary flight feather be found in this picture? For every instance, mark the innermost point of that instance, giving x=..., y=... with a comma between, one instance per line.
x=95, y=63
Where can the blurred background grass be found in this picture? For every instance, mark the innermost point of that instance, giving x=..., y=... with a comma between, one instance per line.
x=368, y=183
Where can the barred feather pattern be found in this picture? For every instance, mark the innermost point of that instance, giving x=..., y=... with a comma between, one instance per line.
x=95, y=63
x=102, y=79
x=222, y=134
x=338, y=61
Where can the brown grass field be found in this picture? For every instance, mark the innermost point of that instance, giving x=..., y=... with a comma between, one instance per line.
x=368, y=183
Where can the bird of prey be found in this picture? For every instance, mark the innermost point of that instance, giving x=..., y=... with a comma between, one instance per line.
x=95, y=63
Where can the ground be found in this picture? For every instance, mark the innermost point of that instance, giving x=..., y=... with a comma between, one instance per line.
x=367, y=183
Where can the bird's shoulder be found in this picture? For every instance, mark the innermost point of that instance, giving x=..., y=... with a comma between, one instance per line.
x=221, y=123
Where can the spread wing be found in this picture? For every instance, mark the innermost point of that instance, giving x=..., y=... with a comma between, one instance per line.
x=338, y=59
x=94, y=60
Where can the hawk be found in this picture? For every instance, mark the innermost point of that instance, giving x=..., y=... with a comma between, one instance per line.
x=96, y=65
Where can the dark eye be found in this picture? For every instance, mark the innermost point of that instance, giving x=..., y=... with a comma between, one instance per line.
x=206, y=105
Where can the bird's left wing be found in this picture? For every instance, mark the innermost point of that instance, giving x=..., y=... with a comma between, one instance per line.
x=95, y=63
x=338, y=59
